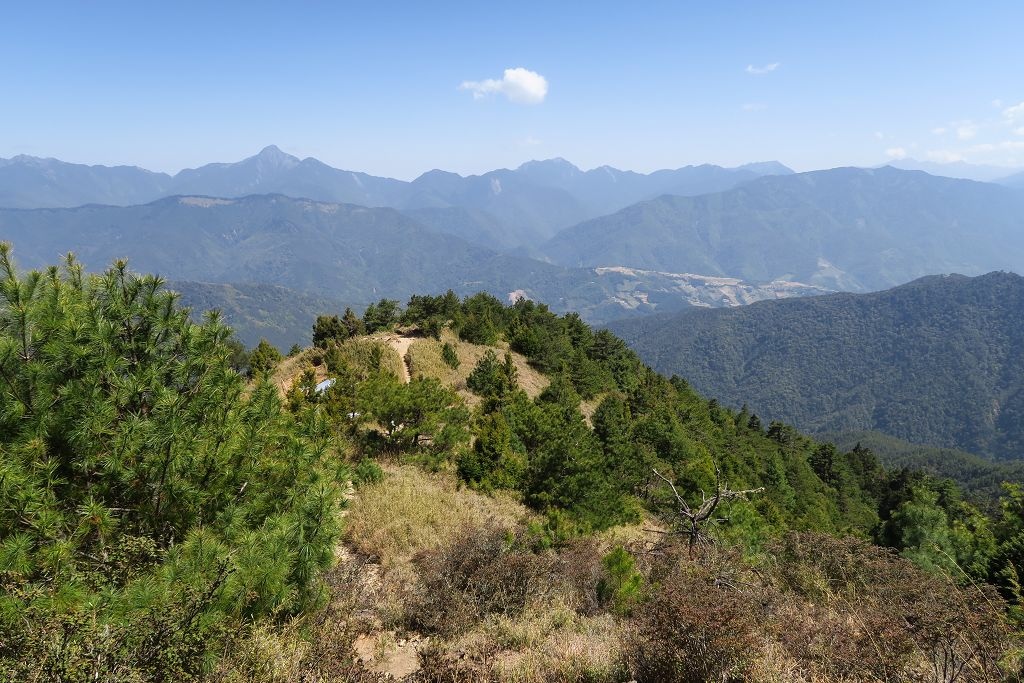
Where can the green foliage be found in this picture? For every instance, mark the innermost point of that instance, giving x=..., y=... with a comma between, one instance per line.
x=367, y=471
x=352, y=324
x=383, y=315
x=493, y=462
x=432, y=313
x=929, y=524
x=238, y=357
x=419, y=416
x=941, y=353
x=622, y=585
x=328, y=330
x=302, y=391
x=139, y=477
x=492, y=378
x=590, y=477
x=449, y=356
x=264, y=358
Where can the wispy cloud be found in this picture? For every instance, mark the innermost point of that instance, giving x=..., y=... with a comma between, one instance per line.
x=1014, y=113
x=879, y=135
x=939, y=130
x=965, y=130
x=1003, y=145
x=761, y=70
x=896, y=153
x=519, y=85
x=944, y=156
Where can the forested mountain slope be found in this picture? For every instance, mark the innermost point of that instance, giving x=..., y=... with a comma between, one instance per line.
x=846, y=229
x=341, y=254
x=347, y=253
x=938, y=361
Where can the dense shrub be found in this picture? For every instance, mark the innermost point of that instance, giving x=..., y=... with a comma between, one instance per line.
x=870, y=614
x=483, y=570
x=693, y=629
x=140, y=480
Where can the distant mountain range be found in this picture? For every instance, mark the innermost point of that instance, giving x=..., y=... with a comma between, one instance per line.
x=844, y=229
x=249, y=252
x=526, y=205
x=746, y=234
x=958, y=169
x=938, y=361
x=1015, y=180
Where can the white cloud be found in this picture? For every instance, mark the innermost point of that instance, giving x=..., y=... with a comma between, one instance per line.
x=530, y=141
x=965, y=130
x=754, y=106
x=1015, y=112
x=1010, y=145
x=896, y=153
x=998, y=104
x=519, y=85
x=761, y=70
x=1018, y=131
x=940, y=130
x=944, y=156
x=879, y=135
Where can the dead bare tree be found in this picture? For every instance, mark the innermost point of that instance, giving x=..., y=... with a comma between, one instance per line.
x=693, y=522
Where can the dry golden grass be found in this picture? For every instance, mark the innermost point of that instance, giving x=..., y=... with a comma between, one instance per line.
x=548, y=643
x=412, y=510
x=269, y=653
x=588, y=408
x=289, y=369
x=580, y=649
x=356, y=352
x=425, y=359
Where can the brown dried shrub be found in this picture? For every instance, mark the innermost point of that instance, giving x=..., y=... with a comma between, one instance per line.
x=846, y=608
x=693, y=628
x=482, y=570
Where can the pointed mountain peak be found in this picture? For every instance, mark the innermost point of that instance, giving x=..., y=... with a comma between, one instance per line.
x=272, y=154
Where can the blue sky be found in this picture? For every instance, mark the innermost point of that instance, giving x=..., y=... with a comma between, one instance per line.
x=635, y=85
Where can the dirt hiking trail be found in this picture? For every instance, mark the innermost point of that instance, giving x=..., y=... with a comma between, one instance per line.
x=401, y=344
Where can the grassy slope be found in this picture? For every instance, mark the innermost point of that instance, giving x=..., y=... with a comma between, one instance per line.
x=425, y=359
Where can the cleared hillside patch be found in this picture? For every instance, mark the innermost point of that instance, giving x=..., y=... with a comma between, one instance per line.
x=425, y=359
x=412, y=510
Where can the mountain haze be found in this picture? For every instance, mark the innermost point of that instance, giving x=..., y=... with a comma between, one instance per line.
x=530, y=203
x=342, y=255
x=354, y=253
x=31, y=182
x=846, y=229
x=955, y=169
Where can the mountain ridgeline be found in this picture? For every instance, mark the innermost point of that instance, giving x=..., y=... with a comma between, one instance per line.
x=938, y=361
x=339, y=254
x=531, y=203
x=846, y=229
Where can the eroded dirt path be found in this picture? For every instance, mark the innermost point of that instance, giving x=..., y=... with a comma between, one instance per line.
x=401, y=344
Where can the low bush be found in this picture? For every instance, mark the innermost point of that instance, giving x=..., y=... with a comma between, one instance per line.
x=482, y=571
x=693, y=629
